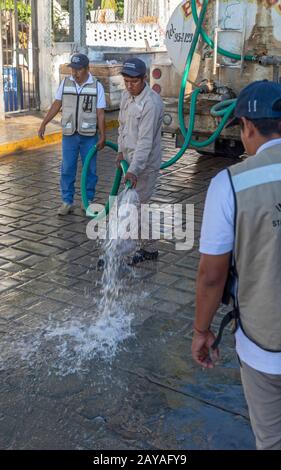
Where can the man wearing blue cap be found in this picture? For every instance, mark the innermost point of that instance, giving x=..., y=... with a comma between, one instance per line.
x=241, y=243
x=82, y=100
x=139, y=141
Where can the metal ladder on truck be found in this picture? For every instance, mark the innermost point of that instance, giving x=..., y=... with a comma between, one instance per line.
x=218, y=30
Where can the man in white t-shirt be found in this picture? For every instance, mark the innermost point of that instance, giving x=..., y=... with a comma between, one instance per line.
x=242, y=228
x=82, y=100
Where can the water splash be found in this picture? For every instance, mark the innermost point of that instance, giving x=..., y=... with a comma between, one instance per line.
x=69, y=340
x=116, y=248
x=115, y=306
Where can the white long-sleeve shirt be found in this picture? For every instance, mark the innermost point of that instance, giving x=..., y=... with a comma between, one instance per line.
x=140, y=123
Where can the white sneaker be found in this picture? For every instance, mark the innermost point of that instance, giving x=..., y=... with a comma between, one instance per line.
x=65, y=209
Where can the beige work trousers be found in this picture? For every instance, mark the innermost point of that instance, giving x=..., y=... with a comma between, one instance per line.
x=263, y=396
x=145, y=188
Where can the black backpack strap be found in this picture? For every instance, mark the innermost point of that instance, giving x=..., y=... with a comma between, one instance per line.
x=233, y=315
x=229, y=293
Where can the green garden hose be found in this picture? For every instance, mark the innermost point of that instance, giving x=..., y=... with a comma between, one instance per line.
x=210, y=42
x=228, y=106
x=116, y=183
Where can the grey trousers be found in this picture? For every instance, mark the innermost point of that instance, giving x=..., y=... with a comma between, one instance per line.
x=263, y=396
x=145, y=188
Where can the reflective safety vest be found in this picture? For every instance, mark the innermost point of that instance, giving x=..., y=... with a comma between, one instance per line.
x=256, y=288
x=79, y=111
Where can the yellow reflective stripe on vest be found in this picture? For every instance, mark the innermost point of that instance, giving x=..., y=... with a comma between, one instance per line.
x=256, y=177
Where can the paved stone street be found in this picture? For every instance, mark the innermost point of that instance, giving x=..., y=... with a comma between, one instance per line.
x=57, y=391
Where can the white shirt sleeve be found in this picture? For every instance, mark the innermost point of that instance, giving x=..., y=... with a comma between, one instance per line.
x=101, y=102
x=217, y=232
x=58, y=95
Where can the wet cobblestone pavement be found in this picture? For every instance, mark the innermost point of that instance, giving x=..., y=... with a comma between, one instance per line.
x=59, y=393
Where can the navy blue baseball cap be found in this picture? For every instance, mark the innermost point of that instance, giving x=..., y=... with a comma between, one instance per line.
x=259, y=100
x=134, y=68
x=79, y=61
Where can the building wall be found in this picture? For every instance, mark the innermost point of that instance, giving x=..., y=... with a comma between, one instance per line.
x=53, y=54
x=136, y=9
x=130, y=33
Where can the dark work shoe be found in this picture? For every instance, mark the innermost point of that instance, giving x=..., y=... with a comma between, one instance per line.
x=100, y=263
x=143, y=255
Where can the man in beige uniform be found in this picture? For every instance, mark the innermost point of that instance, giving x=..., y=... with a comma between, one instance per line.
x=241, y=225
x=139, y=141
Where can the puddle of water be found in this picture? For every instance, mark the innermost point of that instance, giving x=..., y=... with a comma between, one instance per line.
x=67, y=342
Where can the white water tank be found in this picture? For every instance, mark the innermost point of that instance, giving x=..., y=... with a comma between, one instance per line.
x=246, y=27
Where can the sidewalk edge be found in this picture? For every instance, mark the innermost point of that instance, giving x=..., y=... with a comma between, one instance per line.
x=36, y=142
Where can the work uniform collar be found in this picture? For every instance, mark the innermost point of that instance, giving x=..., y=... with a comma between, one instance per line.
x=139, y=98
x=89, y=81
x=268, y=144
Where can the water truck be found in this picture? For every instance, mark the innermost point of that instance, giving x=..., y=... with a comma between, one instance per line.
x=239, y=41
